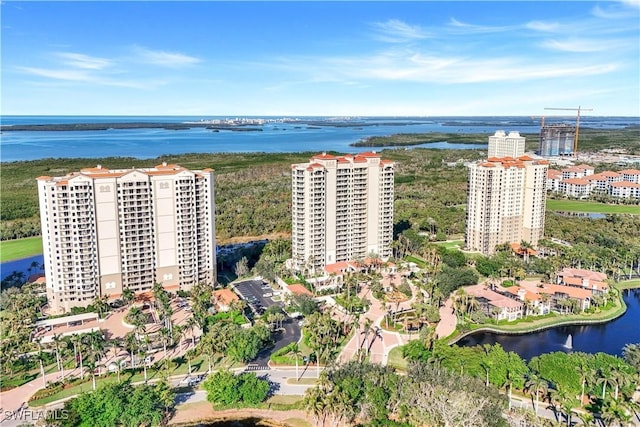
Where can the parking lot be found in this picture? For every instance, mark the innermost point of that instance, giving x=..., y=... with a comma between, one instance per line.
x=257, y=294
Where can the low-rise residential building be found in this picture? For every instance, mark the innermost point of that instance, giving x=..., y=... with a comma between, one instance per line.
x=624, y=189
x=630, y=175
x=534, y=303
x=554, y=177
x=580, y=182
x=579, y=171
x=575, y=187
x=586, y=279
x=495, y=304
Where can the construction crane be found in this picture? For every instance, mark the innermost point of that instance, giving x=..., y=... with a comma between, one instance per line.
x=541, y=120
x=575, y=141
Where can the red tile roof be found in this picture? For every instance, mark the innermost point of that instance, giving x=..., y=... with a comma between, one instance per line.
x=298, y=289
x=225, y=296
x=625, y=184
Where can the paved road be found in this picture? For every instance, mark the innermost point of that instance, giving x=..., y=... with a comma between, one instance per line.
x=289, y=333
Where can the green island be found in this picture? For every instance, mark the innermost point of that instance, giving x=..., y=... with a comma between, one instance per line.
x=409, y=139
x=627, y=139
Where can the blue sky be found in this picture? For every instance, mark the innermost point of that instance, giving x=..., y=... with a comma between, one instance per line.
x=320, y=58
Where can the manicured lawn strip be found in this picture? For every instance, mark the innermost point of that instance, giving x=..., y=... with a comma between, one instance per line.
x=419, y=262
x=628, y=284
x=452, y=244
x=11, y=250
x=303, y=381
x=584, y=206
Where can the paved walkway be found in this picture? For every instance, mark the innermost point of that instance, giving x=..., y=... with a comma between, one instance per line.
x=448, y=321
x=378, y=343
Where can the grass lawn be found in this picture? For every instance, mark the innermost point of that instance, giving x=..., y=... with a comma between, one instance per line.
x=451, y=244
x=420, y=263
x=629, y=284
x=21, y=248
x=396, y=360
x=585, y=206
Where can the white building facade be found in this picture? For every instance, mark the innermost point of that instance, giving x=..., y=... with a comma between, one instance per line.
x=342, y=209
x=107, y=230
x=505, y=202
x=503, y=145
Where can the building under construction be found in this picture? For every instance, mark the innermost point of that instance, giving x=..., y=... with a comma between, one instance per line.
x=557, y=139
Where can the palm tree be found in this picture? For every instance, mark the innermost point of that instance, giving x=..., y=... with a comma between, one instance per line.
x=604, y=378
x=60, y=364
x=131, y=344
x=585, y=373
x=189, y=354
x=78, y=344
x=296, y=352
x=100, y=304
x=315, y=402
x=128, y=296
x=536, y=385
x=40, y=357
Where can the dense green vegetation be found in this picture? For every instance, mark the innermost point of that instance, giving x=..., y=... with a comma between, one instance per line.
x=226, y=389
x=408, y=139
x=375, y=395
x=599, y=383
x=253, y=191
x=118, y=404
x=627, y=139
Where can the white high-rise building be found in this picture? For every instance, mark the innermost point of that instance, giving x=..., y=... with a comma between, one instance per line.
x=106, y=230
x=503, y=145
x=506, y=202
x=342, y=209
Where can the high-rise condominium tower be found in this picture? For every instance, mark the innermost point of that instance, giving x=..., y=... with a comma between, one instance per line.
x=557, y=140
x=503, y=145
x=106, y=230
x=506, y=202
x=342, y=209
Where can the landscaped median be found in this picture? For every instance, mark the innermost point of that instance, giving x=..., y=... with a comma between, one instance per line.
x=533, y=324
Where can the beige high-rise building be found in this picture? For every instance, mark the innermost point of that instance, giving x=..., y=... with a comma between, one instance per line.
x=106, y=230
x=505, y=202
x=503, y=145
x=342, y=209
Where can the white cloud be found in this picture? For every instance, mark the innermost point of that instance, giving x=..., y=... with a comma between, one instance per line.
x=464, y=28
x=166, y=59
x=397, y=31
x=430, y=68
x=614, y=11
x=87, y=76
x=79, y=60
x=65, y=74
x=542, y=26
x=582, y=45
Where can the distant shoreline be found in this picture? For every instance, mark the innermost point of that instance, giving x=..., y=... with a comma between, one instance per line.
x=65, y=127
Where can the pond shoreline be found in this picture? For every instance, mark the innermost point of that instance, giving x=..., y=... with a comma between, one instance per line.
x=566, y=321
